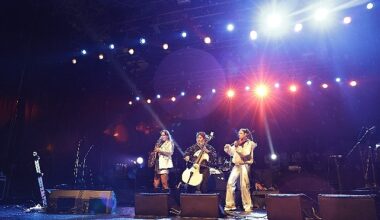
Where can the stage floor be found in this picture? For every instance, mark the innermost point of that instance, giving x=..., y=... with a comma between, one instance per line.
x=18, y=212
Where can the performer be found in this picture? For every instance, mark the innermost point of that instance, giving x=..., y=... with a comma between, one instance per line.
x=164, y=149
x=242, y=157
x=190, y=155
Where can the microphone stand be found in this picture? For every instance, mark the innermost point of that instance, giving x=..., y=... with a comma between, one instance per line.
x=358, y=142
x=84, y=166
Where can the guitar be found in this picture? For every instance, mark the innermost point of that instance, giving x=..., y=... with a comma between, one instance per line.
x=192, y=175
x=153, y=155
x=40, y=181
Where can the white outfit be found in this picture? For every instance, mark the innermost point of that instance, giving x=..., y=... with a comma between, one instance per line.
x=165, y=160
x=242, y=157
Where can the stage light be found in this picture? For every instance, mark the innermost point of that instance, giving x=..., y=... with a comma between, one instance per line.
x=74, y=61
x=370, y=6
x=158, y=96
x=337, y=79
x=309, y=82
x=230, y=27
x=347, y=20
x=353, y=83
x=321, y=14
x=149, y=101
x=207, y=40
x=142, y=41
x=131, y=51
x=325, y=85
x=293, y=88
x=274, y=21
x=84, y=52
x=298, y=27
x=183, y=34
x=140, y=160
x=277, y=85
x=253, y=35
x=261, y=91
x=247, y=88
x=130, y=103
x=230, y=93
x=116, y=134
x=101, y=56
x=213, y=90
x=199, y=97
x=137, y=98
x=165, y=46
x=183, y=93
x=273, y=156
x=111, y=46
x=173, y=99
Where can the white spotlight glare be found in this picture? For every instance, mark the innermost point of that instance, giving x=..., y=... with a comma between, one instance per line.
x=199, y=97
x=213, y=90
x=247, y=88
x=149, y=101
x=111, y=46
x=277, y=85
x=347, y=20
x=140, y=160
x=131, y=51
x=183, y=93
x=353, y=83
x=273, y=156
x=173, y=99
x=158, y=96
x=84, y=52
x=274, y=21
x=298, y=27
x=130, y=103
x=230, y=27
x=253, y=35
x=338, y=79
x=101, y=56
x=325, y=85
x=137, y=98
x=142, y=40
x=370, y=6
x=74, y=61
x=309, y=82
x=207, y=40
x=183, y=34
x=165, y=46
x=321, y=14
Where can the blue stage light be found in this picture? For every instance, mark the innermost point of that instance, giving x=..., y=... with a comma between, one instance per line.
x=230, y=27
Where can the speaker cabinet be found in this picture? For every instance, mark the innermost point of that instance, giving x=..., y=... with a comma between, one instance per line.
x=81, y=201
x=152, y=204
x=342, y=207
x=287, y=206
x=200, y=205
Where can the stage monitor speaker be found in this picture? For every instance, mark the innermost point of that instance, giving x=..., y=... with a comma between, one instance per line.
x=352, y=207
x=287, y=206
x=200, y=205
x=81, y=201
x=152, y=204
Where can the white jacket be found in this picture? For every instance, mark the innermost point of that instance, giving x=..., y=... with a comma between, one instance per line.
x=165, y=159
x=246, y=150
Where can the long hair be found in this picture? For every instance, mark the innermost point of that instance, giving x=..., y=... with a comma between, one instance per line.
x=247, y=131
x=167, y=133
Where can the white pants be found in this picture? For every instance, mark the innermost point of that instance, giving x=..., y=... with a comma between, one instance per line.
x=241, y=171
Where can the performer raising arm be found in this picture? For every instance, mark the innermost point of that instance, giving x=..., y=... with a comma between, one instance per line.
x=242, y=157
x=164, y=149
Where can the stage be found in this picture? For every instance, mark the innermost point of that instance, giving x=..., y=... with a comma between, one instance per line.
x=18, y=212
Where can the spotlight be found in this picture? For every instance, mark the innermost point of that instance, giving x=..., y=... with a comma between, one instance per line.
x=321, y=14
x=298, y=27
x=261, y=91
x=142, y=41
x=325, y=85
x=277, y=85
x=183, y=34
x=101, y=56
x=183, y=93
x=370, y=6
x=140, y=160
x=274, y=21
x=173, y=99
x=74, y=61
x=158, y=96
x=207, y=40
x=116, y=134
x=111, y=46
x=165, y=46
x=309, y=82
x=84, y=52
x=230, y=93
x=273, y=156
x=130, y=103
x=338, y=79
x=199, y=97
x=213, y=90
x=253, y=35
x=230, y=27
x=137, y=98
x=293, y=88
x=347, y=20
x=131, y=51
x=247, y=88
x=353, y=83
x=149, y=101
